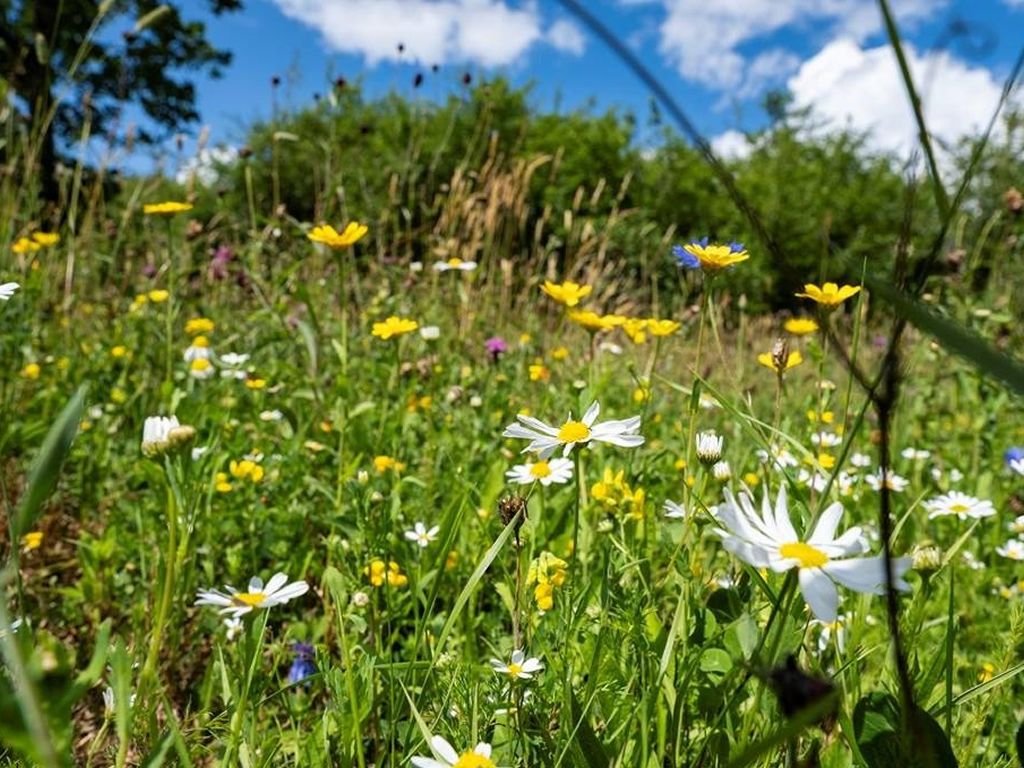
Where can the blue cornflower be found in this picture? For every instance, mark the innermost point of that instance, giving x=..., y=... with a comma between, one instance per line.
x=684, y=258
x=302, y=666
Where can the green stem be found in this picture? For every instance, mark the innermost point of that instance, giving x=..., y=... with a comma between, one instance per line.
x=169, y=314
x=238, y=718
x=167, y=591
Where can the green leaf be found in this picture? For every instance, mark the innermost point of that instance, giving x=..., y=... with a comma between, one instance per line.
x=586, y=739
x=716, y=661
x=885, y=740
x=42, y=477
x=156, y=757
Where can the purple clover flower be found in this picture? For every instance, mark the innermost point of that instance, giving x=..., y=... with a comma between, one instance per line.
x=496, y=347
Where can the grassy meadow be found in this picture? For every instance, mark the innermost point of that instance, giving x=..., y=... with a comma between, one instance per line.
x=304, y=466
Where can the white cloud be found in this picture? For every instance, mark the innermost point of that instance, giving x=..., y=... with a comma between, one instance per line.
x=731, y=145
x=704, y=39
x=486, y=32
x=205, y=166
x=849, y=87
x=566, y=36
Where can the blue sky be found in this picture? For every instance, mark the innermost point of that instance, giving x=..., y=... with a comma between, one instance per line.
x=719, y=57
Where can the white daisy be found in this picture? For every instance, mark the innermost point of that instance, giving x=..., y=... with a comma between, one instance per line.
x=233, y=359
x=519, y=668
x=709, y=447
x=1013, y=549
x=972, y=561
x=197, y=353
x=610, y=347
x=826, y=439
x=915, y=454
x=234, y=603
x=959, y=504
x=674, y=511
x=1017, y=526
x=7, y=290
x=815, y=480
x=545, y=472
x=830, y=629
x=545, y=439
x=234, y=627
x=779, y=457
x=421, y=535
x=274, y=415
x=430, y=332
x=454, y=263
x=156, y=431
x=479, y=757
x=768, y=540
x=860, y=460
x=721, y=471
x=893, y=482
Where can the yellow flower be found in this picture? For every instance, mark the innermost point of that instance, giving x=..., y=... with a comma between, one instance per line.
x=25, y=245
x=377, y=572
x=256, y=383
x=524, y=339
x=165, y=209
x=800, y=326
x=830, y=294
x=31, y=371
x=559, y=353
x=46, y=238
x=636, y=329
x=751, y=479
x=547, y=572
x=662, y=327
x=201, y=341
x=768, y=361
x=595, y=322
x=198, y=325
x=714, y=256
x=568, y=293
x=246, y=469
x=221, y=483
x=451, y=560
x=158, y=295
x=987, y=672
x=640, y=394
x=383, y=463
x=119, y=351
x=32, y=540
x=539, y=372
x=330, y=237
x=826, y=417
x=118, y=396
x=394, y=326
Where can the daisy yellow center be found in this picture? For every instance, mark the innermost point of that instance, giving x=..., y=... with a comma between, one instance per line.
x=959, y=508
x=805, y=554
x=540, y=469
x=473, y=760
x=573, y=432
x=514, y=669
x=252, y=599
x=454, y=261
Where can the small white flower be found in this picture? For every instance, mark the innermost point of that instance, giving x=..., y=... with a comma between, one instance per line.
x=458, y=264
x=768, y=540
x=360, y=599
x=96, y=412
x=955, y=475
x=1016, y=465
x=826, y=439
x=674, y=511
x=430, y=332
x=233, y=359
x=1013, y=549
x=274, y=415
x=546, y=472
x=479, y=757
x=815, y=480
x=199, y=452
x=545, y=439
x=959, y=504
x=1017, y=526
x=779, y=457
x=721, y=471
x=12, y=629
x=915, y=454
x=7, y=290
x=476, y=401
x=234, y=627
x=610, y=347
x=893, y=482
x=234, y=603
x=709, y=447
x=830, y=629
x=416, y=266
x=972, y=561
x=860, y=460
x=519, y=668
x=421, y=535
x=108, y=701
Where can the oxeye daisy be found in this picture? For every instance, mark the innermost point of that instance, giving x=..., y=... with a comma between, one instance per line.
x=1013, y=549
x=674, y=510
x=709, y=447
x=545, y=472
x=478, y=757
x=768, y=540
x=422, y=535
x=454, y=263
x=959, y=504
x=519, y=667
x=277, y=591
x=7, y=290
x=545, y=438
x=891, y=480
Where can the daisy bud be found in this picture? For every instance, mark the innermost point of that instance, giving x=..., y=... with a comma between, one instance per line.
x=360, y=599
x=721, y=471
x=181, y=437
x=926, y=559
x=605, y=526
x=512, y=508
x=709, y=448
x=376, y=497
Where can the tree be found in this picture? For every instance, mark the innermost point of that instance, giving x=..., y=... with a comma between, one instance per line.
x=41, y=41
